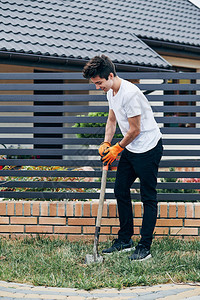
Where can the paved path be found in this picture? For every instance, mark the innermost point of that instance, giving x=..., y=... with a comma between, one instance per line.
x=13, y=291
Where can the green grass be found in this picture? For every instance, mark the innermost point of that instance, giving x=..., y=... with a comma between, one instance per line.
x=41, y=261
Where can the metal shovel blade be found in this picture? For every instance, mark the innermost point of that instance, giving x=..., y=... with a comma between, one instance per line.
x=90, y=259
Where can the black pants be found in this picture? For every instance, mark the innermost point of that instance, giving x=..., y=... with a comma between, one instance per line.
x=145, y=167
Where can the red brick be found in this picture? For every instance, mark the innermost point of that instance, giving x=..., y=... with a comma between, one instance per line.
x=39, y=229
x=86, y=209
x=137, y=222
x=44, y=208
x=163, y=209
x=53, y=209
x=115, y=230
x=172, y=210
x=61, y=209
x=181, y=210
x=27, y=209
x=35, y=208
x=18, y=209
x=137, y=209
x=190, y=210
x=3, y=209
x=11, y=228
x=197, y=210
x=67, y=229
x=183, y=231
x=78, y=209
x=192, y=222
x=161, y=230
x=110, y=221
x=10, y=208
x=23, y=220
x=52, y=221
x=137, y=230
x=112, y=209
x=91, y=229
x=81, y=221
x=4, y=220
x=70, y=209
x=169, y=222
x=95, y=206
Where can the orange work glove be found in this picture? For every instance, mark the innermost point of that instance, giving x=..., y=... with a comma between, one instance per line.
x=103, y=147
x=112, y=153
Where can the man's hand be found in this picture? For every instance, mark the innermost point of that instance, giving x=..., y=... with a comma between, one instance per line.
x=103, y=147
x=112, y=153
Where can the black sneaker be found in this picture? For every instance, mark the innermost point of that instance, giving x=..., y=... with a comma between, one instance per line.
x=120, y=246
x=141, y=253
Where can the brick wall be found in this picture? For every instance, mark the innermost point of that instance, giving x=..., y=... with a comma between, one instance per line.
x=76, y=220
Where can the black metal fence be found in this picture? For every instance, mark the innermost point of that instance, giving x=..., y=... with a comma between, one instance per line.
x=50, y=142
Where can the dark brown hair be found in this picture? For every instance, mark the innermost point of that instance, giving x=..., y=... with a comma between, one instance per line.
x=100, y=66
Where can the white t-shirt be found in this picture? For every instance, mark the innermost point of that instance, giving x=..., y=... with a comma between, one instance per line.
x=130, y=102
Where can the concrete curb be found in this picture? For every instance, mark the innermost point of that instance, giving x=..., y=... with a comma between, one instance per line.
x=18, y=291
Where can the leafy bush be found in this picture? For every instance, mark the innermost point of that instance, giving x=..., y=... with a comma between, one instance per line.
x=92, y=135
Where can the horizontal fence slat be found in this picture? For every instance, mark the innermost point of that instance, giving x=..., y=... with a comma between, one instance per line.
x=49, y=98
x=84, y=163
x=82, y=109
x=86, y=141
x=86, y=87
x=69, y=173
x=180, y=130
x=76, y=75
x=68, y=196
x=31, y=76
x=82, y=119
x=181, y=152
x=173, y=108
x=160, y=75
x=93, y=98
x=97, y=185
x=92, y=130
x=174, y=98
x=80, y=152
x=53, y=108
x=189, y=197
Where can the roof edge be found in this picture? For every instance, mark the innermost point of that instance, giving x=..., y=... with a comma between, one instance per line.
x=64, y=62
x=189, y=48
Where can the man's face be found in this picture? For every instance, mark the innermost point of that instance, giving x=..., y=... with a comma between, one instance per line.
x=102, y=83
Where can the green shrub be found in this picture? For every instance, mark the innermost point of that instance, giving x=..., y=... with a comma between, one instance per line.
x=92, y=135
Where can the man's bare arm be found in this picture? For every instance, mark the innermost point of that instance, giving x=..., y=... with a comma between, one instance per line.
x=110, y=126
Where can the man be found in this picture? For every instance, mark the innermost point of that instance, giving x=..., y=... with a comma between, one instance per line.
x=141, y=149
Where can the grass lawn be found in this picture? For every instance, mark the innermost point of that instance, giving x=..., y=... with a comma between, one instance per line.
x=41, y=261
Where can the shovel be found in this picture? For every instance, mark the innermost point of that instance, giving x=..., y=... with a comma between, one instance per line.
x=95, y=257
